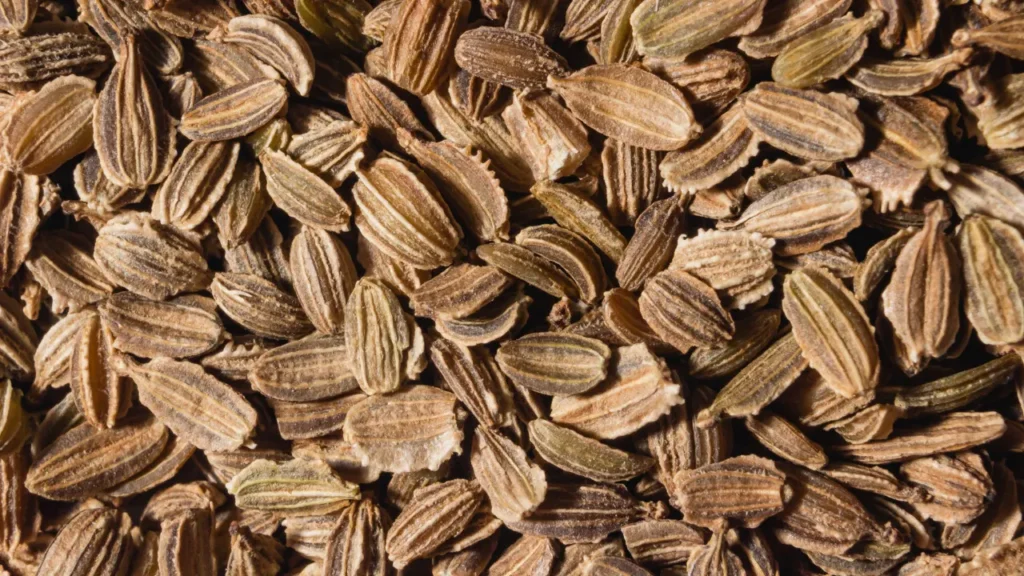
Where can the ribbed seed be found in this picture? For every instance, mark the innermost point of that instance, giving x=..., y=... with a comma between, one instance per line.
x=14, y=425
x=95, y=383
x=805, y=123
x=218, y=66
x=628, y=104
x=323, y=275
x=631, y=182
x=96, y=541
x=134, y=133
x=906, y=77
x=878, y=263
x=494, y=322
x=378, y=337
x=519, y=60
x=421, y=42
x=196, y=184
x=473, y=377
x=149, y=258
x=746, y=490
x=873, y=479
x=638, y=391
x=554, y=141
x=525, y=265
x=47, y=128
x=30, y=61
x=60, y=261
x=555, y=363
x=175, y=455
x=978, y=190
x=872, y=423
x=114, y=21
x=294, y=488
x=17, y=340
x=583, y=19
x=922, y=301
x=574, y=513
x=679, y=28
x=580, y=215
x=236, y=111
x=661, y=543
x=85, y=461
x=276, y=44
x=262, y=255
x=260, y=306
x=584, y=456
x=650, y=248
x=437, y=513
x=754, y=334
x=959, y=389
x=736, y=263
x=356, y=544
x=303, y=194
x=685, y=311
x=724, y=148
x=244, y=205
x=833, y=331
x=514, y=484
x=196, y=406
x=1003, y=36
x=786, y=21
x=382, y=430
x=825, y=53
x=332, y=152
x=312, y=419
x=402, y=214
x=992, y=253
x=953, y=432
x=185, y=544
x=785, y=440
x=711, y=79
x=959, y=486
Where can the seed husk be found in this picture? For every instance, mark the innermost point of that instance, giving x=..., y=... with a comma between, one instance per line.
x=825, y=53
x=269, y=486
x=685, y=311
x=723, y=149
x=795, y=121
x=680, y=28
x=583, y=456
x=234, y=112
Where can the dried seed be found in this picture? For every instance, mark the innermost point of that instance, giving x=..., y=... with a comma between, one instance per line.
x=785, y=440
x=437, y=513
x=275, y=43
x=571, y=253
x=459, y=291
x=378, y=337
x=235, y=111
x=525, y=265
x=554, y=141
x=906, y=77
x=381, y=110
x=826, y=52
x=32, y=60
x=476, y=97
x=356, y=545
x=878, y=263
x=323, y=276
x=379, y=427
x=631, y=182
x=527, y=555
x=218, y=66
x=52, y=357
x=580, y=215
x=313, y=419
x=472, y=375
x=303, y=194
x=788, y=20
x=311, y=369
x=115, y=21
x=402, y=214
x=514, y=484
x=737, y=264
x=958, y=485
x=628, y=104
x=262, y=255
x=959, y=389
x=638, y=391
x=574, y=513
x=952, y=432
x=421, y=42
x=804, y=215
x=61, y=262
x=805, y=123
x=746, y=490
x=14, y=427
x=86, y=461
x=679, y=28
x=260, y=306
x=811, y=401
x=583, y=20
x=710, y=79
x=1002, y=36
x=978, y=190
x=555, y=363
x=95, y=383
x=271, y=487
x=685, y=312
x=758, y=384
x=583, y=456
x=753, y=335
x=45, y=129
x=196, y=184
x=176, y=454
x=724, y=148
x=332, y=152
x=992, y=252
x=244, y=205
x=873, y=479
x=661, y=543
x=519, y=60
x=496, y=321
x=95, y=540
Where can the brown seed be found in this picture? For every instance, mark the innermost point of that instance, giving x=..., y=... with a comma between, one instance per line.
x=878, y=263
x=96, y=540
x=473, y=376
x=992, y=252
x=723, y=149
x=875, y=480
x=332, y=152
x=525, y=265
x=27, y=200
x=685, y=312
x=958, y=485
x=710, y=79
x=805, y=123
x=514, y=484
x=825, y=53
x=276, y=44
x=952, y=432
x=527, y=555
x=978, y=190
x=746, y=490
x=260, y=306
x=580, y=215
x=787, y=20
x=753, y=335
x=96, y=385
x=628, y=104
x=271, y=487
x=631, y=182
x=679, y=28
x=421, y=42
x=323, y=275
x=236, y=111
x=378, y=337
x=570, y=252
x=574, y=513
x=661, y=543
x=176, y=454
x=30, y=61
x=554, y=363
x=959, y=389
x=47, y=128
x=356, y=544
x=649, y=250
x=785, y=440
x=459, y=291
x=244, y=205
x=437, y=513
x=185, y=544
x=381, y=110
x=906, y=77
x=584, y=456
x=736, y=263
x=519, y=60
x=303, y=194
x=196, y=184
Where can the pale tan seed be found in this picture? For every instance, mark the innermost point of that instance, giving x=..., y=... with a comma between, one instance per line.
x=872, y=423
x=272, y=487
x=907, y=77
x=952, y=432
x=476, y=97
x=84, y=461
x=583, y=20
x=303, y=194
x=95, y=540
x=45, y=129
x=745, y=490
x=52, y=357
x=584, y=456
x=97, y=191
x=519, y=60
x=754, y=334
x=805, y=215
x=380, y=428
x=631, y=182
x=332, y=152
x=736, y=263
x=874, y=479
x=638, y=391
x=570, y=252
x=650, y=248
x=197, y=407
x=236, y=111
x=524, y=264
x=724, y=148
x=833, y=331
x=29, y=61
x=527, y=555
x=786, y=440
x=402, y=214
x=787, y=20
x=176, y=454
x=14, y=424
x=437, y=513
x=617, y=45
x=474, y=378
x=99, y=393
x=628, y=104
x=17, y=340
x=196, y=184
x=661, y=543
x=276, y=44
x=323, y=275
x=581, y=215
x=260, y=306
x=421, y=42
x=381, y=110
x=60, y=261
x=992, y=252
x=114, y=21
x=677, y=29
x=959, y=486
x=575, y=513
x=312, y=419
x=878, y=263
x=356, y=544
x=922, y=300
x=710, y=79
x=16, y=15
x=555, y=363
x=514, y=484
x=959, y=389
x=685, y=312
x=233, y=361
x=805, y=123
x=554, y=141
x=826, y=52
x=978, y=190
x=218, y=66
x=378, y=337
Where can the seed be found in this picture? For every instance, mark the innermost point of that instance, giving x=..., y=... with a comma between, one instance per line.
x=685, y=312
x=47, y=128
x=679, y=28
x=421, y=42
x=825, y=53
x=519, y=60
x=725, y=148
x=234, y=112
x=805, y=123
x=271, y=487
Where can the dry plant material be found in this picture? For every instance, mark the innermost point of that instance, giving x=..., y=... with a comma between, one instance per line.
x=511, y=287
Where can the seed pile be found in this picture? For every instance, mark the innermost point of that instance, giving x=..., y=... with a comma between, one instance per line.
x=511, y=287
